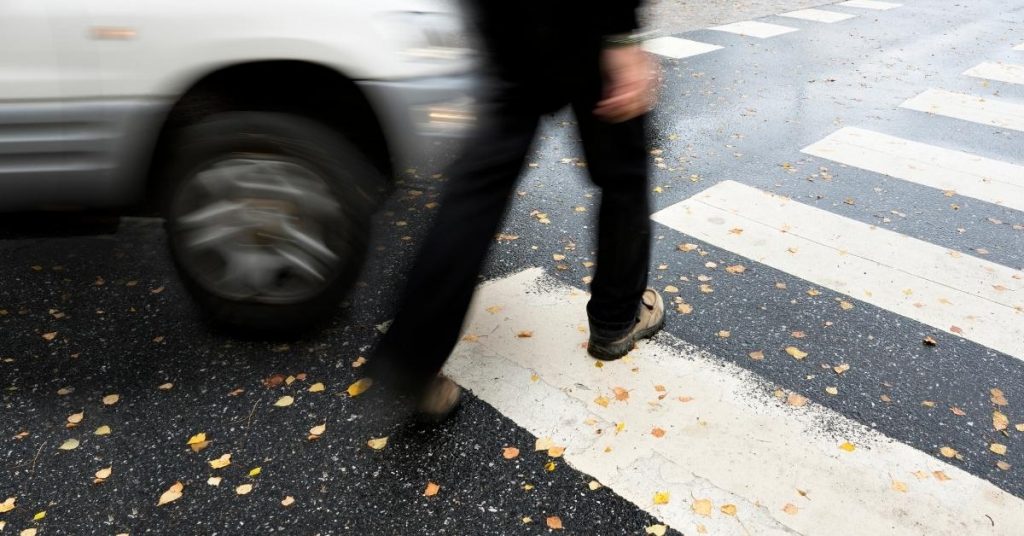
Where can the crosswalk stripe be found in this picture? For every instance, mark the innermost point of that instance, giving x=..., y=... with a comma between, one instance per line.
x=870, y=4
x=1001, y=72
x=726, y=439
x=977, y=299
x=751, y=28
x=674, y=47
x=967, y=174
x=818, y=15
x=984, y=110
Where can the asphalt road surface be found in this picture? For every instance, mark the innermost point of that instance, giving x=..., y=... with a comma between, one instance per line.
x=840, y=238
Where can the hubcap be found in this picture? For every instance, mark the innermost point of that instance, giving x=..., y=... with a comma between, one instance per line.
x=250, y=228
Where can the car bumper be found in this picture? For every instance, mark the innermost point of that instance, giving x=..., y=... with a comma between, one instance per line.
x=415, y=114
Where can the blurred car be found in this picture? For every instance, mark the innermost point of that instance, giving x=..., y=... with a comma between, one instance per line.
x=265, y=130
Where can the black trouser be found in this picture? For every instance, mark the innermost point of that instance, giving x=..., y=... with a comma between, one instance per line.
x=472, y=206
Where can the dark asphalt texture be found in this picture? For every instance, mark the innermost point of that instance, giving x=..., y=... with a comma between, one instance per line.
x=738, y=114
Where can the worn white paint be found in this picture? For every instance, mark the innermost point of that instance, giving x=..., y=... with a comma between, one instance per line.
x=981, y=300
x=733, y=443
x=870, y=4
x=966, y=174
x=818, y=15
x=1000, y=72
x=752, y=28
x=674, y=47
x=1019, y=47
x=984, y=110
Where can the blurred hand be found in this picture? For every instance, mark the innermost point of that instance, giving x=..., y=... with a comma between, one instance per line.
x=630, y=84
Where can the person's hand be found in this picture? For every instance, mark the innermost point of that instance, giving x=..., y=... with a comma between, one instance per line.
x=630, y=84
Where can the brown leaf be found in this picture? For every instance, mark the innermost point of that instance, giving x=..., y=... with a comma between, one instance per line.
x=929, y=341
x=997, y=397
x=621, y=394
x=431, y=490
x=657, y=432
x=554, y=523
x=509, y=453
x=1000, y=421
x=275, y=380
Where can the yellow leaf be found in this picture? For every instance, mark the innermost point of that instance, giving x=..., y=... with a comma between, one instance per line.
x=661, y=497
x=728, y=509
x=832, y=390
x=378, y=443
x=997, y=397
x=244, y=489
x=796, y=400
x=284, y=401
x=790, y=509
x=76, y=418
x=359, y=387
x=222, y=462
x=601, y=401
x=431, y=490
x=656, y=530
x=104, y=474
x=620, y=426
x=70, y=444
x=795, y=352
x=102, y=430
x=554, y=523
x=172, y=494
x=706, y=288
x=702, y=507
x=948, y=452
x=550, y=466
x=28, y=532
x=594, y=485
x=998, y=448
x=1019, y=427
x=110, y=400
x=847, y=446
x=527, y=520
x=214, y=480
x=671, y=289
x=813, y=292
x=845, y=305
x=940, y=476
x=255, y=471
x=543, y=443
x=39, y=516
x=999, y=421
x=318, y=430
x=724, y=334
x=7, y=505
x=196, y=439
x=841, y=368
x=316, y=387
x=899, y=486
x=527, y=487
x=288, y=501
x=509, y=453
x=556, y=452
x=756, y=355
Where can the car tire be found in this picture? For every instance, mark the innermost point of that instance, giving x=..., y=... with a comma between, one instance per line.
x=268, y=218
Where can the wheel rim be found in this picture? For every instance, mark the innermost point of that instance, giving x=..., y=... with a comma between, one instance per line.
x=253, y=228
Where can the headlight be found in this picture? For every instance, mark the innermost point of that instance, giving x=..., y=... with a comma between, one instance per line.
x=427, y=35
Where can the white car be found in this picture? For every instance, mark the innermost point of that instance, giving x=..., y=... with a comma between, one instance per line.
x=265, y=129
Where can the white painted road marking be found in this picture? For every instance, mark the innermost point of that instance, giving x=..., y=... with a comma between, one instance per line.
x=980, y=300
x=1001, y=72
x=987, y=111
x=870, y=4
x=674, y=47
x=1019, y=47
x=967, y=174
x=751, y=28
x=733, y=443
x=818, y=15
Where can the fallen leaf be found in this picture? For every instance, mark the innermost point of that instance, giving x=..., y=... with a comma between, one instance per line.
x=1019, y=427
x=997, y=397
x=847, y=446
x=671, y=289
x=172, y=494
x=999, y=420
x=601, y=401
x=359, y=387
x=214, y=480
x=556, y=452
x=948, y=452
x=431, y=490
x=255, y=471
x=543, y=443
x=998, y=448
x=378, y=443
x=885, y=398
x=706, y=288
x=684, y=308
x=243, y=489
x=510, y=453
x=795, y=352
x=735, y=269
x=165, y=386
x=686, y=248
x=657, y=432
x=7, y=505
x=728, y=509
x=736, y=231
x=832, y=390
x=940, y=476
x=110, y=400
x=899, y=486
x=1003, y=466
x=554, y=523
x=621, y=394
x=656, y=530
x=284, y=401
x=103, y=474
x=957, y=411
x=661, y=497
x=841, y=368
x=756, y=355
x=287, y=501
x=49, y=336
x=594, y=485
x=524, y=334
x=70, y=444
x=75, y=418
x=796, y=400
x=845, y=305
x=790, y=509
x=956, y=329
x=702, y=507
x=28, y=532
x=317, y=387
x=317, y=431
x=724, y=334
x=929, y=341
x=196, y=439
x=222, y=462
x=360, y=361
x=550, y=466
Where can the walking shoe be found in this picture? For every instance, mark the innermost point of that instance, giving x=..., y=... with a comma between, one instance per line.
x=439, y=400
x=649, y=320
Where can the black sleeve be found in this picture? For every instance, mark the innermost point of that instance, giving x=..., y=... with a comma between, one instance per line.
x=618, y=16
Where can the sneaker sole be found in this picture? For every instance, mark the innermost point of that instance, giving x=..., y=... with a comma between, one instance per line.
x=616, y=350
